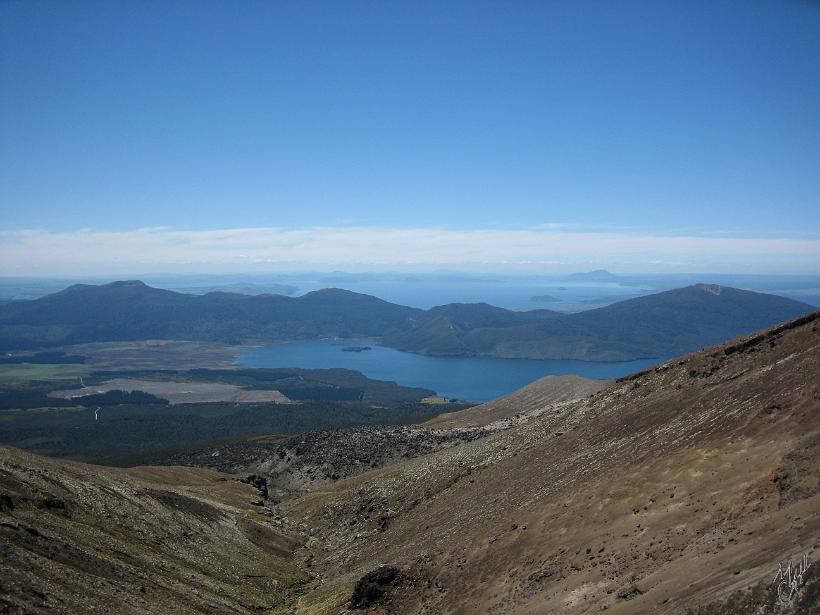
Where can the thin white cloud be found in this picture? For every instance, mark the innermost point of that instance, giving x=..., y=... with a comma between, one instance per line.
x=33, y=252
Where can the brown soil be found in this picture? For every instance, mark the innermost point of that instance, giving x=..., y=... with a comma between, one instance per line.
x=76, y=538
x=667, y=491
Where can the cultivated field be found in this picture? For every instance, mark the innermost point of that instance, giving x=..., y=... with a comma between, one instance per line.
x=180, y=392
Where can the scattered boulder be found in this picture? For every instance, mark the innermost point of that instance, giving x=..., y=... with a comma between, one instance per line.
x=629, y=592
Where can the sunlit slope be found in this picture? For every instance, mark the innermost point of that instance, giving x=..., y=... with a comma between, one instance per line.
x=538, y=395
x=666, y=491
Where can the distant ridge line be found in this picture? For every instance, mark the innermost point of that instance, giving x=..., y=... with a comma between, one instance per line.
x=656, y=326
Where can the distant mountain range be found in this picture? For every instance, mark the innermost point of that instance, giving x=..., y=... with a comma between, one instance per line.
x=659, y=325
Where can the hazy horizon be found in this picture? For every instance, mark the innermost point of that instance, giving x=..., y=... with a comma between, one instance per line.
x=567, y=292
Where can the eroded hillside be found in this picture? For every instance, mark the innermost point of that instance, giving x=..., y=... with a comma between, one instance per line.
x=540, y=394
x=668, y=491
x=77, y=538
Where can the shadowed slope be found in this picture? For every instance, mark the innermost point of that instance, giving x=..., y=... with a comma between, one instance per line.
x=75, y=538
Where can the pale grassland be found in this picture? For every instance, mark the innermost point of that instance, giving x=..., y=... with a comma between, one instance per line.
x=434, y=400
x=179, y=392
x=156, y=354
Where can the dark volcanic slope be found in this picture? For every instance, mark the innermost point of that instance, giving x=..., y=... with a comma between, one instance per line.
x=76, y=538
x=668, y=490
x=661, y=325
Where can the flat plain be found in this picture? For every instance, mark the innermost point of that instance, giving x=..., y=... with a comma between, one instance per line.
x=179, y=392
x=26, y=372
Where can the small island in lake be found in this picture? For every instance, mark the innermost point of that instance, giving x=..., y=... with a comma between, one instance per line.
x=356, y=348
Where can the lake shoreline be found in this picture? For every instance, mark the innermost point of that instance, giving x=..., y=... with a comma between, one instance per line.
x=470, y=378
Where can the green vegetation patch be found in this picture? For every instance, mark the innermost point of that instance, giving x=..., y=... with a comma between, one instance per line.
x=325, y=600
x=27, y=372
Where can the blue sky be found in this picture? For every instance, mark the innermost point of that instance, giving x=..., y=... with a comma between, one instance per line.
x=627, y=119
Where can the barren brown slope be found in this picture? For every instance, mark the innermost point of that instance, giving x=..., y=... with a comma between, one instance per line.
x=667, y=491
x=314, y=459
x=541, y=393
x=77, y=538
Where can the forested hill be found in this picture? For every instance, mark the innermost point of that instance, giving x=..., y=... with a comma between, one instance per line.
x=131, y=310
x=659, y=325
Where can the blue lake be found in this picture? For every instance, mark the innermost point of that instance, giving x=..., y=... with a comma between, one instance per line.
x=467, y=378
